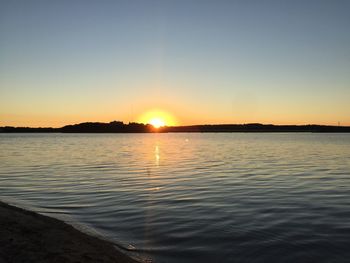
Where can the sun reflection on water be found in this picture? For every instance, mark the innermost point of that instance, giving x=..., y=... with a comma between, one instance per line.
x=157, y=155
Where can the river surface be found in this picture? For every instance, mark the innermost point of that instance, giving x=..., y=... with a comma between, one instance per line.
x=213, y=197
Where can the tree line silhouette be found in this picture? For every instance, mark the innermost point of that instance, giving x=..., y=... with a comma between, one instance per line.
x=120, y=127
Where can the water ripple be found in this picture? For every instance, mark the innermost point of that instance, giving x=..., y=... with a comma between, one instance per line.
x=191, y=197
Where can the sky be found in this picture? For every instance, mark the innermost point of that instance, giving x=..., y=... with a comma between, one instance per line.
x=200, y=62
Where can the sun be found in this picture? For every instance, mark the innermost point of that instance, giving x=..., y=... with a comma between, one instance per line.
x=157, y=118
x=157, y=122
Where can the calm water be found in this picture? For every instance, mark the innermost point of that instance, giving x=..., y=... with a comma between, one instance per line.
x=191, y=197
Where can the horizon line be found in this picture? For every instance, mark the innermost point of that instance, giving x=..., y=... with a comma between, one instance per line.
x=173, y=126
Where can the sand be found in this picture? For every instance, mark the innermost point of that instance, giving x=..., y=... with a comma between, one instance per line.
x=27, y=237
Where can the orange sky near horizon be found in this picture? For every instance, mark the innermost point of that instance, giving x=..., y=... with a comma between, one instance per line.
x=176, y=117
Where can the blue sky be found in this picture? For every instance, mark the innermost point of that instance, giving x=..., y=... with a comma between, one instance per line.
x=276, y=62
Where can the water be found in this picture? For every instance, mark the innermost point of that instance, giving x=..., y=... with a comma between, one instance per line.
x=191, y=197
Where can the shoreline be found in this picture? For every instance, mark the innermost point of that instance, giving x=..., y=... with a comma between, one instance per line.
x=26, y=236
x=120, y=127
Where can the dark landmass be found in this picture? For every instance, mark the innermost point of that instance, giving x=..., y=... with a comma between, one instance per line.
x=120, y=127
x=27, y=237
x=88, y=127
x=257, y=127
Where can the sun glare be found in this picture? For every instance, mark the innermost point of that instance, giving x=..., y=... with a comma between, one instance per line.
x=157, y=118
x=157, y=123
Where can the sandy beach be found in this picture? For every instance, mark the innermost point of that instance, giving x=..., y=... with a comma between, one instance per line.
x=26, y=236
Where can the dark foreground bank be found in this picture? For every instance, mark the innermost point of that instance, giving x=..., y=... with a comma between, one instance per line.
x=26, y=236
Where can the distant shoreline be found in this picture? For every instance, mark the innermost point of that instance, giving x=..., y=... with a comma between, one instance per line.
x=26, y=236
x=120, y=127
